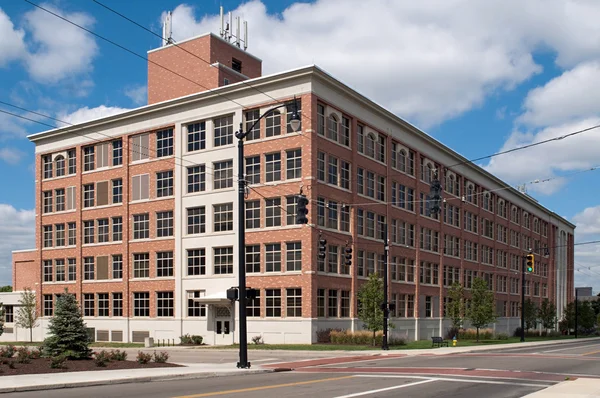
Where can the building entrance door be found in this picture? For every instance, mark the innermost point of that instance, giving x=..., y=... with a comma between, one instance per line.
x=223, y=332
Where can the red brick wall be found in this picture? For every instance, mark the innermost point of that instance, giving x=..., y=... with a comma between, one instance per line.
x=25, y=270
x=197, y=75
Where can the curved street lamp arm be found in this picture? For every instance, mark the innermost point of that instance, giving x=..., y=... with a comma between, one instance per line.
x=241, y=135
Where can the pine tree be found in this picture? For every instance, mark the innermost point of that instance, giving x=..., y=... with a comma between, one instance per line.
x=482, y=311
x=68, y=334
x=370, y=297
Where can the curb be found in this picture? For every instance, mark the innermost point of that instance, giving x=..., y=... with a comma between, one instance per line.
x=182, y=376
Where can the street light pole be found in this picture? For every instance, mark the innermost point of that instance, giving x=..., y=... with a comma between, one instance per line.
x=240, y=135
x=386, y=247
x=576, y=312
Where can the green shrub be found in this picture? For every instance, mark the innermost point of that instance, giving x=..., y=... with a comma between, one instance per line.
x=116, y=355
x=102, y=358
x=258, y=340
x=161, y=358
x=471, y=334
x=502, y=336
x=324, y=335
x=8, y=351
x=11, y=364
x=361, y=337
x=58, y=361
x=397, y=340
x=186, y=339
x=24, y=355
x=143, y=358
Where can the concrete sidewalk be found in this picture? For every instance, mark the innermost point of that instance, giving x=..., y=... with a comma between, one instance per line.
x=578, y=388
x=51, y=381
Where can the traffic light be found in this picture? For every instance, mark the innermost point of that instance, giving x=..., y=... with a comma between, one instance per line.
x=530, y=263
x=232, y=294
x=348, y=256
x=322, y=248
x=435, y=196
x=301, y=210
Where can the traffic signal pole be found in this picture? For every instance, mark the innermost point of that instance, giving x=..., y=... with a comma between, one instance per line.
x=523, y=300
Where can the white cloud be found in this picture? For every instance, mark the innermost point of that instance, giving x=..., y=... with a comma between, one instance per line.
x=86, y=114
x=60, y=49
x=137, y=94
x=17, y=232
x=12, y=46
x=587, y=269
x=573, y=95
x=11, y=155
x=588, y=221
x=426, y=61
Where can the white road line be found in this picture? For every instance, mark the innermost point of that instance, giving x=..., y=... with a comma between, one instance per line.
x=264, y=360
x=464, y=380
x=571, y=348
x=358, y=394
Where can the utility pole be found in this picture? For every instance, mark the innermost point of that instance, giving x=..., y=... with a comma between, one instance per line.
x=386, y=248
x=576, y=312
x=523, y=299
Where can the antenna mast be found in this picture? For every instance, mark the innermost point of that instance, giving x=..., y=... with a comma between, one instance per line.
x=226, y=30
x=168, y=29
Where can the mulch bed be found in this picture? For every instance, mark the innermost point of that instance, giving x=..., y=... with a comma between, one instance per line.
x=42, y=365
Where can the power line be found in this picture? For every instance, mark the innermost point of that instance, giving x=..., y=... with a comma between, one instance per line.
x=26, y=118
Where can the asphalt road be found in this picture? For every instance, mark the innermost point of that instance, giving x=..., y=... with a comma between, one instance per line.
x=496, y=373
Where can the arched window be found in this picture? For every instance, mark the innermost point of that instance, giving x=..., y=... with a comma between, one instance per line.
x=470, y=193
x=501, y=208
x=332, y=127
x=526, y=220
x=487, y=201
x=514, y=215
x=60, y=165
x=536, y=225
x=371, y=140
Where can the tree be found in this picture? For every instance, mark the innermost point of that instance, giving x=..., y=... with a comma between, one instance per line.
x=2, y=313
x=585, y=315
x=7, y=288
x=547, y=314
x=27, y=316
x=371, y=297
x=481, y=312
x=455, y=309
x=531, y=314
x=568, y=320
x=68, y=335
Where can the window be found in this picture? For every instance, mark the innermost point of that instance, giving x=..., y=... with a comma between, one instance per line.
x=345, y=304
x=103, y=230
x=320, y=166
x=273, y=257
x=294, y=164
x=236, y=65
x=164, y=143
x=117, y=266
x=223, y=174
x=60, y=234
x=164, y=184
x=47, y=161
x=141, y=265
x=102, y=193
x=71, y=198
x=48, y=241
x=141, y=304
x=102, y=155
x=88, y=232
x=251, y=118
x=345, y=132
x=294, y=302
x=196, y=220
x=196, y=136
x=253, y=308
x=72, y=271
x=273, y=302
x=253, y=170
x=117, y=223
x=195, y=309
x=294, y=256
x=103, y=304
x=320, y=302
x=273, y=167
x=333, y=259
x=72, y=231
x=320, y=119
x=196, y=264
x=89, y=162
x=428, y=307
x=332, y=171
x=345, y=174
x=117, y=158
x=117, y=299
x=88, y=268
x=117, y=191
x=140, y=147
x=9, y=314
x=291, y=206
x=332, y=127
x=164, y=224
x=223, y=131
x=48, y=276
x=252, y=214
x=88, y=195
x=48, y=202
x=223, y=217
x=72, y=161
x=223, y=260
x=48, y=305
x=60, y=200
x=141, y=226
x=88, y=304
x=253, y=258
x=273, y=212
x=164, y=304
x=332, y=303
x=196, y=181
x=273, y=124
x=164, y=264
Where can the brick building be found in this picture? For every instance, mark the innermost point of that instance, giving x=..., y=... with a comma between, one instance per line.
x=136, y=212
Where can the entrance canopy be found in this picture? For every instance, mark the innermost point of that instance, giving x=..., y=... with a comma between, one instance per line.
x=215, y=298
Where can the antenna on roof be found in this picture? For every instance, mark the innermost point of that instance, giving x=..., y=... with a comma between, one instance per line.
x=245, y=35
x=226, y=30
x=168, y=29
x=222, y=31
x=237, y=31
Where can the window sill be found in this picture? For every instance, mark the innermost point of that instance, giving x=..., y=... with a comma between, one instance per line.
x=347, y=147
x=101, y=207
x=100, y=244
x=101, y=169
x=275, y=137
x=134, y=202
x=59, y=283
x=58, y=178
x=62, y=212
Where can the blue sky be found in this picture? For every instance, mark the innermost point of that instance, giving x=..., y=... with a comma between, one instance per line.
x=478, y=77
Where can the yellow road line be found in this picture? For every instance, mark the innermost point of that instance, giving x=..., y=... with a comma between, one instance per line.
x=298, y=383
x=592, y=352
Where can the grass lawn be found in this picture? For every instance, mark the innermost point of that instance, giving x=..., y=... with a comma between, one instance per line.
x=411, y=345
